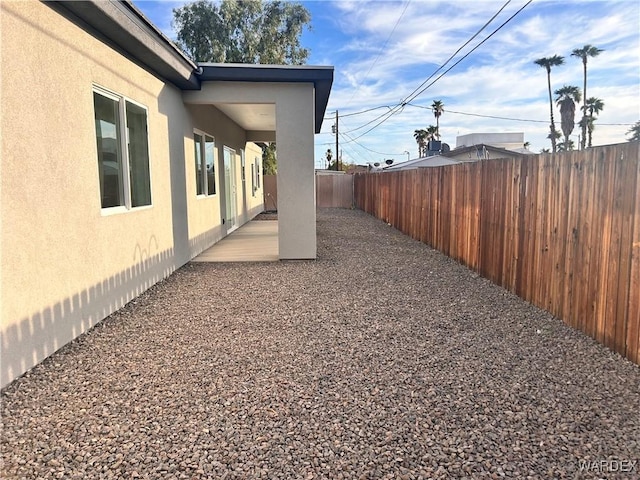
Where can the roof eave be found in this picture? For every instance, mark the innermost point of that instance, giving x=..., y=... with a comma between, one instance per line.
x=122, y=25
x=320, y=76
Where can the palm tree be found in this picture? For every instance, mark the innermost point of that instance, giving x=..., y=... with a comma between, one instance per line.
x=566, y=146
x=432, y=133
x=566, y=99
x=594, y=106
x=547, y=63
x=554, y=136
x=438, y=109
x=584, y=53
x=635, y=132
x=421, y=138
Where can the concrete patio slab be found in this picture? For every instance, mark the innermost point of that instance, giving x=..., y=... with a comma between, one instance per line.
x=256, y=241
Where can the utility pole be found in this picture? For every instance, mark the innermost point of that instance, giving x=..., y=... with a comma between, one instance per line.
x=337, y=151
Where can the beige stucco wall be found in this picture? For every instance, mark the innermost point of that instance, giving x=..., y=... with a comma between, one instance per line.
x=255, y=202
x=206, y=212
x=295, y=129
x=65, y=263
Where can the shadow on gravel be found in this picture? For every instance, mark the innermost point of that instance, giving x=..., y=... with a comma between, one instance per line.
x=382, y=359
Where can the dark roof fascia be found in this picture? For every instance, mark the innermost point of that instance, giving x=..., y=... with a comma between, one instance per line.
x=122, y=25
x=320, y=76
x=474, y=148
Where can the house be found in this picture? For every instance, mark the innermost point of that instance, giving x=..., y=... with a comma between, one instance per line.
x=483, y=151
x=506, y=140
x=122, y=159
x=423, y=162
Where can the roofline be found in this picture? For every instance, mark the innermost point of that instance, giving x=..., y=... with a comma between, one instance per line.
x=320, y=76
x=120, y=24
x=459, y=150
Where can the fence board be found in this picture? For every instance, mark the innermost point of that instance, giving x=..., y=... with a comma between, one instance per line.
x=560, y=230
x=633, y=313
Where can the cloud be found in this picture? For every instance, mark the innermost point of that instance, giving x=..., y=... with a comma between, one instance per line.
x=499, y=79
x=381, y=55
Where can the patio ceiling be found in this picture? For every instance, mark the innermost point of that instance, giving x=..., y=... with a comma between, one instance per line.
x=251, y=116
x=261, y=117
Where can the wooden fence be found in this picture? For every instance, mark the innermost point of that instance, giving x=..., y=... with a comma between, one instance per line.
x=561, y=231
x=332, y=190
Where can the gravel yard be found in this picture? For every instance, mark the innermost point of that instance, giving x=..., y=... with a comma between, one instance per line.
x=382, y=359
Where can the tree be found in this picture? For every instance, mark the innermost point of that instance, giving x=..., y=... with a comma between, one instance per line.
x=341, y=167
x=566, y=99
x=594, y=106
x=554, y=136
x=634, y=131
x=247, y=31
x=269, y=164
x=432, y=133
x=547, y=63
x=566, y=146
x=421, y=139
x=438, y=109
x=584, y=53
x=328, y=156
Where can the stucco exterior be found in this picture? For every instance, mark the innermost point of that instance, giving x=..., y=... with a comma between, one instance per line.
x=66, y=262
x=294, y=137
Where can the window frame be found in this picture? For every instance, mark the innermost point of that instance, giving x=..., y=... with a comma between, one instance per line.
x=203, y=164
x=258, y=183
x=123, y=146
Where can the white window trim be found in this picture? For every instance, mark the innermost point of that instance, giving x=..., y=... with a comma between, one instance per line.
x=204, y=134
x=124, y=146
x=258, y=163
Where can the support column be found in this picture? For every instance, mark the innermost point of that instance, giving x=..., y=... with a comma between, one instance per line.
x=296, y=172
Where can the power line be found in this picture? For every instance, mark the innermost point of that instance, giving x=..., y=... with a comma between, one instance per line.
x=401, y=104
x=458, y=50
x=366, y=148
x=483, y=116
x=506, y=118
x=471, y=51
x=417, y=92
x=358, y=113
x=427, y=107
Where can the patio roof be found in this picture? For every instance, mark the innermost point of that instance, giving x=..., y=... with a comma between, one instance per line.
x=320, y=76
x=127, y=29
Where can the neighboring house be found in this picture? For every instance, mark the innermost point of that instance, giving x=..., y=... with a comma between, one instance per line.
x=483, y=152
x=122, y=159
x=508, y=141
x=424, y=162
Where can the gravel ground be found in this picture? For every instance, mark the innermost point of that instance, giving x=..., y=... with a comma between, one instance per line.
x=382, y=359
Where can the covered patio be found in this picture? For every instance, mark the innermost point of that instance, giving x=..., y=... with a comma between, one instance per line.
x=282, y=104
x=255, y=241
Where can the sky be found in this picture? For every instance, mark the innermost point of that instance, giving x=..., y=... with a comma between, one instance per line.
x=386, y=53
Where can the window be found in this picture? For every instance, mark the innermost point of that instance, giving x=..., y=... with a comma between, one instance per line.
x=257, y=161
x=255, y=176
x=205, y=164
x=123, y=151
x=243, y=168
x=253, y=179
